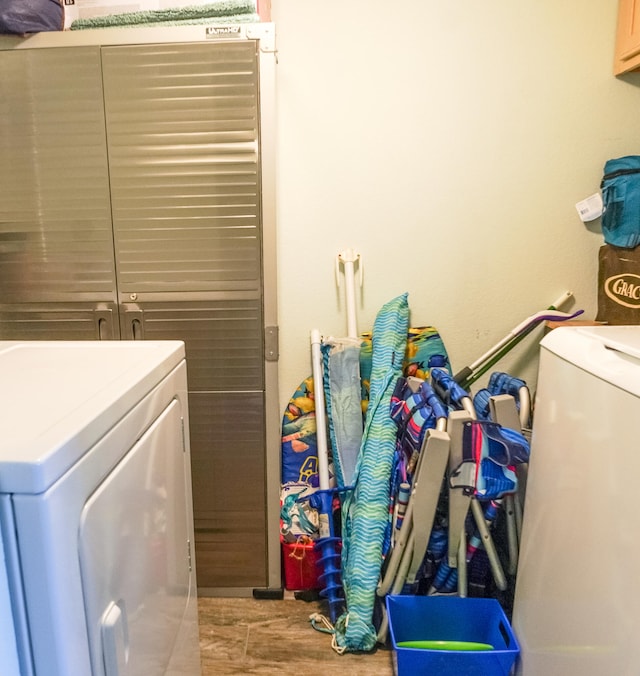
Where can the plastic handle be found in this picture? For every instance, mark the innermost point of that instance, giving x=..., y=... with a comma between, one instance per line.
x=104, y=324
x=115, y=640
x=136, y=329
x=102, y=329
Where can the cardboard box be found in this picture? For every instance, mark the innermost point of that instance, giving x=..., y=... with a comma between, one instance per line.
x=618, y=285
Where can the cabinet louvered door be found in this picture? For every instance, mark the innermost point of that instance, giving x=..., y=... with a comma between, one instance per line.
x=182, y=134
x=182, y=127
x=57, y=272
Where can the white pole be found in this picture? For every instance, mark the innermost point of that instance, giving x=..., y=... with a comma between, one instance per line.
x=349, y=258
x=321, y=424
x=523, y=325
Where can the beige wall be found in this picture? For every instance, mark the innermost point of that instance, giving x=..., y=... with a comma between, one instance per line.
x=447, y=143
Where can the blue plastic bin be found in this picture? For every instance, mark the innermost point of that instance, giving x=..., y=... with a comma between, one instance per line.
x=447, y=618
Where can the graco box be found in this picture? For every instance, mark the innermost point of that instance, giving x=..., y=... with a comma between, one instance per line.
x=446, y=618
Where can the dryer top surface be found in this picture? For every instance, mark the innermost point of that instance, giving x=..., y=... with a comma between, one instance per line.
x=59, y=398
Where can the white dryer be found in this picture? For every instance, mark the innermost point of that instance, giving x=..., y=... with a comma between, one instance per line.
x=97, y=576
x=577, y=600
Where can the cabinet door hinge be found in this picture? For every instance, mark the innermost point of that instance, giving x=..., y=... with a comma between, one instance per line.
x=271, y=343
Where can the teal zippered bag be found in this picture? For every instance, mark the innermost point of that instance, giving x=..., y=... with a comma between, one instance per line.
x=620, y=189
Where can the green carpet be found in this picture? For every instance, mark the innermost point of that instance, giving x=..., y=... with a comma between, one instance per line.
x=225, y=11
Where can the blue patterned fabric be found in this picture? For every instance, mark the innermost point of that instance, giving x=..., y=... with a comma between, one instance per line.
x=424, y=351
x=499, y=383
x=366, y=508
x=448, y=389
x=489, y=453
x=341, y=359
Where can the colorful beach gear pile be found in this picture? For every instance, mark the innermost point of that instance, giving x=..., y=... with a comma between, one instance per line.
x=424, y=496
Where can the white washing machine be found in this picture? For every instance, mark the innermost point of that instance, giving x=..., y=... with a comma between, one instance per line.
x=577, y=599
x=97, y=576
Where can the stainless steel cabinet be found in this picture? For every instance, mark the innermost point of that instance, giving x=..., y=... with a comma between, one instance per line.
x=132, y=208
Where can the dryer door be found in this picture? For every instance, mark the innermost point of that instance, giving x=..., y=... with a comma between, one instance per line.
x=135, y=557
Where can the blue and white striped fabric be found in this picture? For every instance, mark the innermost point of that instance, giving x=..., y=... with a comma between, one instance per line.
x=341, y=359
x=365, y=510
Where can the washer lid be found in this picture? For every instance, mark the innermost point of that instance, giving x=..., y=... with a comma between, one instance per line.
x=611, y=353
x=59, y=398
x=625, y=339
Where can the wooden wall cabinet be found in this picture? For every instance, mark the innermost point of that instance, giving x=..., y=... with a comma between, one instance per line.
x=627, y=57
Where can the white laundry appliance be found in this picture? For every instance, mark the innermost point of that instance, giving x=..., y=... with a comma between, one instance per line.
x=96, y=572
x=577, y=599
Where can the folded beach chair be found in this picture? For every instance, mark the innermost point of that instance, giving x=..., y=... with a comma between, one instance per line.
x=422, y=452
x=431, y=445
x=507, y=401
x=481, y=472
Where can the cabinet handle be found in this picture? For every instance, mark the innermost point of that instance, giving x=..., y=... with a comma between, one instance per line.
x=136, y=329
x=102, y=329
x=104, y=324
x=132, y=322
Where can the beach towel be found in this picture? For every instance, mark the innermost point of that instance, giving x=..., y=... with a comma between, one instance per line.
x=366, y=508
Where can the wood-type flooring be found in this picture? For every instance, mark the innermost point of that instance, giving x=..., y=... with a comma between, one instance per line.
x=247, y=637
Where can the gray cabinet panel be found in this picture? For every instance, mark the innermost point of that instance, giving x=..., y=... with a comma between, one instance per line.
x=228, y=472
x=223, y=339
x=182, y=129
x=59, y=321
x=56, y=240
